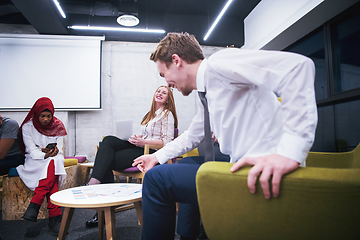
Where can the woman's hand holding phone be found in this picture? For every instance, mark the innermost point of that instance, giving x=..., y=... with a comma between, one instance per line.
x=51, y=146
x=50, y=152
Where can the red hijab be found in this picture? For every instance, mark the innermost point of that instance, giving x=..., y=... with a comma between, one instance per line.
x=55, y=126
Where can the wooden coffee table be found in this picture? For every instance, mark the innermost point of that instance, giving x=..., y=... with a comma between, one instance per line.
x=102, y=197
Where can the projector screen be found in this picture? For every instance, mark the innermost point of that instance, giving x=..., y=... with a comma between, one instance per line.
x=64, y=68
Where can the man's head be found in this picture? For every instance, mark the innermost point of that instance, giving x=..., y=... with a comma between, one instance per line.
x=174, y=55
x=183, y=44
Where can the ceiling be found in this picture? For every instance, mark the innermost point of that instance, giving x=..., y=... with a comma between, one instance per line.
x=192, y=16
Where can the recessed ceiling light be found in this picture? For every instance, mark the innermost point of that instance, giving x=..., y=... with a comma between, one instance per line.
x=118, y=29
x=128, y=20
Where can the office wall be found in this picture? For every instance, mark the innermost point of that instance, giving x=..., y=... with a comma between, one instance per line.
x=271, y=17
x=276, y=24
x=128, y=82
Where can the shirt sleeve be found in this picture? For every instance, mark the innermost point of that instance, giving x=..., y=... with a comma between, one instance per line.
x=10, y=129
x=292, y=77
x=186, y=141
x=167, y=126
x=30, y=146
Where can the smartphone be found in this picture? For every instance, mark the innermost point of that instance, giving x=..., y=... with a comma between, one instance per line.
x=51, y=146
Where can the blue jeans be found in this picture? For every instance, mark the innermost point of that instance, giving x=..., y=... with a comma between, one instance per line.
x=163, y=186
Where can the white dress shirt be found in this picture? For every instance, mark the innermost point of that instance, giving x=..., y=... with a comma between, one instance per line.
x=245, y=115
x=161, y=127
x=35, y=166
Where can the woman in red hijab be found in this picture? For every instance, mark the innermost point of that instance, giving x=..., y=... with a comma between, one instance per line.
x=43, y=169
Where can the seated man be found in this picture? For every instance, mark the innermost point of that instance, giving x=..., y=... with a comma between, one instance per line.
x=236, y=88
x=10, y=153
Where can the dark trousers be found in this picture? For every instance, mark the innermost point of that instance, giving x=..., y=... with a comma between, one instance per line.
x=163, y=186
x=114, y=154
x=10, y=162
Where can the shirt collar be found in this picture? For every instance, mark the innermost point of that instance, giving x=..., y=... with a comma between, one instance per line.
x=200, y=77
x=159, y=110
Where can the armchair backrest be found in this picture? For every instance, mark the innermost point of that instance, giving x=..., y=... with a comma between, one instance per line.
x=334, y=159
x=176, y=134
x=356, y=157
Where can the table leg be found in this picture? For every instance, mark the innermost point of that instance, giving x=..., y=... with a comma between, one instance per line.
x=65, y=222
x=110, y=223
x=101, y=221
x=139, y=212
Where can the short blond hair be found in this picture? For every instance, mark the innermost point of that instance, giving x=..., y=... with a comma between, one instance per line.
x=184, y=45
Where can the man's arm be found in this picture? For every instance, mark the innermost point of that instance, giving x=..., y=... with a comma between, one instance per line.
x=5, y=145
x=186, y=141
x=182, y=144
x=10, y=130
x=292, y=77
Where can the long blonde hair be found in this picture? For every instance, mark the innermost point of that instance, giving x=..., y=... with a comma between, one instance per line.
x=169, y=106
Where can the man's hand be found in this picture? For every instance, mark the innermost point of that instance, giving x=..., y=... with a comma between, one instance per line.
x=271, y=165
x=145, y=162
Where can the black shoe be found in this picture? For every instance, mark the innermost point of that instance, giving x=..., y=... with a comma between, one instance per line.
x=202, y=234
x=93, y=222
x=31, y=212
x=54, y=225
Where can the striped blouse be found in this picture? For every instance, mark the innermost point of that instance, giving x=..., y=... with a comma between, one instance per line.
x=159, y=128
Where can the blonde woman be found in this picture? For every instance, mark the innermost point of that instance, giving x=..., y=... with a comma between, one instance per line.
x=157, y=127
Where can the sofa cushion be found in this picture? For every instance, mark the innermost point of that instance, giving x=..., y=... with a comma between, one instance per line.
x=70, y=161
x=79, y=158
x=13, y=172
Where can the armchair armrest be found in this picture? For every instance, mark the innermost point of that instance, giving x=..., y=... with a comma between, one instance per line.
x=152, y=146
x=157, y=147
x=314, y=203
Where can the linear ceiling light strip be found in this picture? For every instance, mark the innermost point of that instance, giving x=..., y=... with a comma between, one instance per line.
x=57, y=4
x=76, y=27
x=217, y=19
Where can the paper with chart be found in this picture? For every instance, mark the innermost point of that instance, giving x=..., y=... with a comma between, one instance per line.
x=107, y=191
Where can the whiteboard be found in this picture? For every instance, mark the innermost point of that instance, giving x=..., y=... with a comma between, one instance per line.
x=67, y=69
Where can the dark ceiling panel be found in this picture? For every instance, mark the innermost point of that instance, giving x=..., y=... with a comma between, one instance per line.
x=42, y=15
x=193, y=16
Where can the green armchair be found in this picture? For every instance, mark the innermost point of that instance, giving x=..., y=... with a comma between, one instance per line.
x=315, y=202
x=334, y=160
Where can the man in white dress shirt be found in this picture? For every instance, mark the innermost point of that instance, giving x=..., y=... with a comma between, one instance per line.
x=252, y=127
